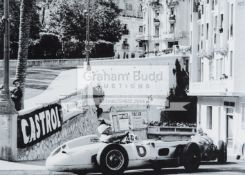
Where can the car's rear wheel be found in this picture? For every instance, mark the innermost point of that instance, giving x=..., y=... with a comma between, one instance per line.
x=222, y=152
x=191, y=157
x=113, y=160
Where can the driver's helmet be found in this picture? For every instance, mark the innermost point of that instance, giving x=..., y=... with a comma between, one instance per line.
x=200, y=131
x=102, y=128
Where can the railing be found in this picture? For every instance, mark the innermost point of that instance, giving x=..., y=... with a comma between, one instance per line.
x=173, y=36
x=170, y=130
x=135, y=14
x=212, y=87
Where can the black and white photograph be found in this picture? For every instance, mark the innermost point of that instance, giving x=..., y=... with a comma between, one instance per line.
x=114, y=87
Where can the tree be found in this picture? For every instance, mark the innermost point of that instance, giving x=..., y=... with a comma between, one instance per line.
x=26, y=13
x=68, y=18
x=35, y=26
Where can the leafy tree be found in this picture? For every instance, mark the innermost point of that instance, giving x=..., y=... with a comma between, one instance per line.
x=35, y=27
x=68, y=19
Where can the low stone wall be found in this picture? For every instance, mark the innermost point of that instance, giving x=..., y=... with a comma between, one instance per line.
x=73, y=62
x=80, y=125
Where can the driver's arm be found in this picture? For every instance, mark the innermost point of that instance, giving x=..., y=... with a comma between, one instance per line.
x=117, y=137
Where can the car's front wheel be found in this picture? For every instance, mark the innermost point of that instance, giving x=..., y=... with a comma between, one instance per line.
x=191, y=157
x=113, y=160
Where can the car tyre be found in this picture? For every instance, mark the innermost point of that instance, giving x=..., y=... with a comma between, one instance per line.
x=113, y=160
x=222, y=152
x=191, y=157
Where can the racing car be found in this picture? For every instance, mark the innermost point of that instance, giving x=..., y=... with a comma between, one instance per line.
x=88, y=154
x=210, y=151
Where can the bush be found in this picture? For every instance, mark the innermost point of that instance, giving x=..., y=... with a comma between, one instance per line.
x=73, y=49
x=46, y=47
x=102, y=49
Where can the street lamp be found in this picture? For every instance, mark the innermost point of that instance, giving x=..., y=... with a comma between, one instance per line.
x=8, y=114
x=5, y=102
x=88, y=43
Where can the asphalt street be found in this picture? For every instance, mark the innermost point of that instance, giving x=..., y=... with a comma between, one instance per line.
x=233, y=167
x=207, y=168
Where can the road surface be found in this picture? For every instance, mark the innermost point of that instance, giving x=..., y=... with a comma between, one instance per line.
x=207, y=168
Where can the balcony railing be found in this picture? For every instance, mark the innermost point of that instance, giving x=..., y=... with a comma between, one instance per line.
x=135, y=14
x=212, y=87
x=125, y=46
x=155, y=4
x=173, y=36
x=125, y=32
x=172, y=19
x=168, y=130
x=156, y=22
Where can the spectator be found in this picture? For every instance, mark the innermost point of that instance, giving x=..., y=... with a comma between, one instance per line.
x=16, y=95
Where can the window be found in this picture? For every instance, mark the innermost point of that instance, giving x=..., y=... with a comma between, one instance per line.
x=215, y=22
x=219, y=68
x=231, y=63
x=202, y=72
x=207, y=28
x=243, y=116
x=172, y=43
x=156, y=46
x=129, y=7
x=157, y=31
x=221, y=23
x=125, y=29
x=202, y=30
x=140, y=8
x=156, y=13
x=140, y=29
x=231, y=25
x=209, y=117
x=140, y=44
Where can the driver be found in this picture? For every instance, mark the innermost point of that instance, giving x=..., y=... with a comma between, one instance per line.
x=108, y=136
x=202, y=138
x=205, y=142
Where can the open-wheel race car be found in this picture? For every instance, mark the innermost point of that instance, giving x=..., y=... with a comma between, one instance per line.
x=88, y=154
x=210, y=151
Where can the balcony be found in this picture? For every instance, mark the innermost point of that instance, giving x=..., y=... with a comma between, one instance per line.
x=156, y=22
x=125, y=45
x=156, y=5
x=141, y=37
x=171, y=19
x=212, y=88
x=125, y=31
x=172, y=3
x=132, y=14
x=173, y=36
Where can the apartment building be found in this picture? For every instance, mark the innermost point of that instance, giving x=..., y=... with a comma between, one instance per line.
x=132, y=20
x=165, y=26
x=216, y=69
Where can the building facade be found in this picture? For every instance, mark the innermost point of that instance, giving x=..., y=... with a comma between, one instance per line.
x=165, y=26
x=131, y=18
x=216, y=69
